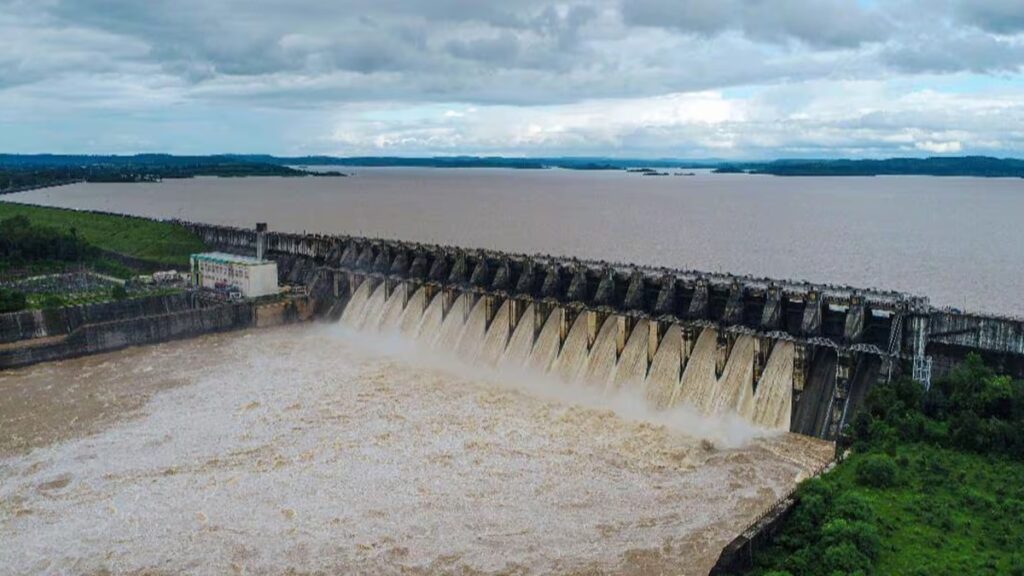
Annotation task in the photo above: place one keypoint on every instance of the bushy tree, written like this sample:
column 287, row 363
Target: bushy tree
column 11, row 301
column 853, row 507
column 118, row 292
column 21, row 241
column 861, row 534
column 844, row 558
column 876, row 471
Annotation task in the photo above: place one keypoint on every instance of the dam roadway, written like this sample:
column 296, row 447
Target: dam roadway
column 843, row 338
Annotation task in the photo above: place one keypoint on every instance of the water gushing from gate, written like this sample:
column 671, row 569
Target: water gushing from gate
column 666, row 364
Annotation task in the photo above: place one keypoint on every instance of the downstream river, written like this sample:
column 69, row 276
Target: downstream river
column 958, row 241
column 303, row 450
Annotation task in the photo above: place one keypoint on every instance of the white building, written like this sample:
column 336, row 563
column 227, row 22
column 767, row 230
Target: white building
column 221, row 271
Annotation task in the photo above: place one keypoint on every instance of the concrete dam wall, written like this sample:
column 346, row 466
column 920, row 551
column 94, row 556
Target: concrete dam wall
column 712, row 341
column 30, row 324
column 82, row 331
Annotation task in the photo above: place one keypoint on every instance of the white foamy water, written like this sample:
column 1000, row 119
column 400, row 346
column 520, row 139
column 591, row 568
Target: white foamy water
column 305, row 449
column 724, row 407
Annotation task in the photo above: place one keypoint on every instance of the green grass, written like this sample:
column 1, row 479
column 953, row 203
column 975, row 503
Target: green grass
column 155, row 241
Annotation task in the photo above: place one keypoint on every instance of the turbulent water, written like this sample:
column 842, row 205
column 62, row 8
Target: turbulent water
column 427, row 432
column 955, row 240
column 306, row 450
column 483, row 332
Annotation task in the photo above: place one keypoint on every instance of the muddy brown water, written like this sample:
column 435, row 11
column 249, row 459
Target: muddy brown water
column 955, row 240
column 305, row 450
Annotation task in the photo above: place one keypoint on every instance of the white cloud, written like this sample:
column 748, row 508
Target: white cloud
column 732, row 77
column 831, row 118
column 939, row 147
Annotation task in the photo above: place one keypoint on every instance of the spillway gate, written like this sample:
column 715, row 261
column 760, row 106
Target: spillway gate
column 843, row 338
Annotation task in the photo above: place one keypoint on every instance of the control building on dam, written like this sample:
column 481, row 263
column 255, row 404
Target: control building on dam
column 790, row 355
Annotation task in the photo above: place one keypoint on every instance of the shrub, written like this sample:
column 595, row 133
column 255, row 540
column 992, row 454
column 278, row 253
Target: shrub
column 862, row 535
column 119, row 292
column 845, row 558
column 853, row 507
column 876, row 471
column 21, row 240
column 11, row 301
column 935, row 404
column 860, row 428
column 51, row 301
column 1017, row 566
column 815, row 499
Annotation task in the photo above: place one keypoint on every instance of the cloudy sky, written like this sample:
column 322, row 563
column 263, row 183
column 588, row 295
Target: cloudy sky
column 672, row 78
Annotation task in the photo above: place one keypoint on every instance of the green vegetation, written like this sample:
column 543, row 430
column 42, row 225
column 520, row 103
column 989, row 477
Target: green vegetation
column 21, row 241
column 46, row 301
column 981, row 166
column 11, row 300
column 24, row 172
column 118, row 292
column 161, row 242
column 52, row 257
column 933, row 486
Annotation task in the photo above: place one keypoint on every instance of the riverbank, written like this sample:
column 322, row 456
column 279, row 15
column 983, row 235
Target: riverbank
column 931, row 485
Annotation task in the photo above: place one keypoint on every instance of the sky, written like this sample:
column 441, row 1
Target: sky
column 732, row 79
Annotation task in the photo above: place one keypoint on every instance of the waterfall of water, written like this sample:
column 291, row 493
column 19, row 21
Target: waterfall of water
column 471, row 338
column 356, row 306
column 393, row 308
column 773, row 401
column 736, row 386
column 631, row 370
column 663, row 381
column 600, row 364
column 697, row 387
column 517, row 353
column 370, row 317
column 496, row 340
column 465, row 332
column 454, row 321
column 413, row 313
column 573, row 357
column 545, row 349
column 429, row 326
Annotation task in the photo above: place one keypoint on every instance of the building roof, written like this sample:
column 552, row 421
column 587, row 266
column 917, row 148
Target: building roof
column 226, row 258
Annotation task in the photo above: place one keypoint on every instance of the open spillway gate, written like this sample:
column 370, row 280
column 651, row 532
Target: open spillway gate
column 695, row 332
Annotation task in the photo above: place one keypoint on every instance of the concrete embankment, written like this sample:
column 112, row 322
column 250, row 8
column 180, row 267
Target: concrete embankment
column 40, row 336
column 32, row 324
column 737, row 557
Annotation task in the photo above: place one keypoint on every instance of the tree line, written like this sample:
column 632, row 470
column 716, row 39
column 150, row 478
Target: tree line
column 943, row 466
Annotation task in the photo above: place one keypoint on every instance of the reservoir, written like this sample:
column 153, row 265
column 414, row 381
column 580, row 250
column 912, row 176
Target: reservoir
column 956, row 240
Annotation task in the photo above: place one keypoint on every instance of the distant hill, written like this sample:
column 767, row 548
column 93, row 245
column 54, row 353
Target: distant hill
column 195, row 162
column 156, row 166
column 531, row 163
column 981, row 166
column 26, row 172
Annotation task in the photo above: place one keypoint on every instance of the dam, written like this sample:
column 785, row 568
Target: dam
column 781, row 354
column 452, row 409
